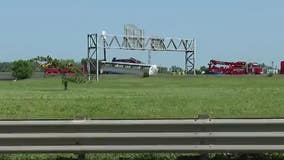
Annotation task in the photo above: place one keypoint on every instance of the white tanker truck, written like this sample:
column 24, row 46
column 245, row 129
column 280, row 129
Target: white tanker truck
column 128, row 66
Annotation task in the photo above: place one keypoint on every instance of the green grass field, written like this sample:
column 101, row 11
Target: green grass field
column 133, row 97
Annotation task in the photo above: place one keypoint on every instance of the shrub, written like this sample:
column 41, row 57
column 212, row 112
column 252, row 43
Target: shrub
column 22, row 69
column 270, row 74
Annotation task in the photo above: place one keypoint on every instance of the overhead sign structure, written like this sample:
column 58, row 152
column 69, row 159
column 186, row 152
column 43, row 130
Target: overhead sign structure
column 135, row 36
column 135, row 40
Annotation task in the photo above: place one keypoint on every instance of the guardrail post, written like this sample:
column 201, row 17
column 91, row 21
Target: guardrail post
column 203, row 116
column 203, row 156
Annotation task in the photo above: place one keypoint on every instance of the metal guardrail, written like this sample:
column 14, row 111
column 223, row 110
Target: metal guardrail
column 8, row 75
column 188, row 135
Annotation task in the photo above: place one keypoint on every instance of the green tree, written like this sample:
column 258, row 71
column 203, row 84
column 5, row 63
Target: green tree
column 5, row 67
column 204, row 69
column 22, row 69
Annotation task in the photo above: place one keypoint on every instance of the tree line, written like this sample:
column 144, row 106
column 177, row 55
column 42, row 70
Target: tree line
column 8, row 66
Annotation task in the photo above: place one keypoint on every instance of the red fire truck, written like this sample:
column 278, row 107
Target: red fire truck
column 50, row 70
column 282, row 67
column 235, row 68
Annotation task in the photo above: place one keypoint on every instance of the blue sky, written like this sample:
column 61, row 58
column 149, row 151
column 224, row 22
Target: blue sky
column 249, row 30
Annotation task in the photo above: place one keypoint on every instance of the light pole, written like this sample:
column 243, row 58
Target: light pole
column 104, row 43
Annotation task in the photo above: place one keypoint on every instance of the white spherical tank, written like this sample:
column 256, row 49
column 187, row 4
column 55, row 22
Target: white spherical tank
column 153, row 70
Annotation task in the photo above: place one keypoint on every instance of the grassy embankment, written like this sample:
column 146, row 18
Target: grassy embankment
column 131, row 97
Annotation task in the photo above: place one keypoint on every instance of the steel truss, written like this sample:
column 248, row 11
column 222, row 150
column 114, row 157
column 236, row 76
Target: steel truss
column 95, row 41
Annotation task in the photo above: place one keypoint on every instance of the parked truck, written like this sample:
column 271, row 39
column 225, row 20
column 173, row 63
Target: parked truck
column 282, row 67
column 235, row 68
